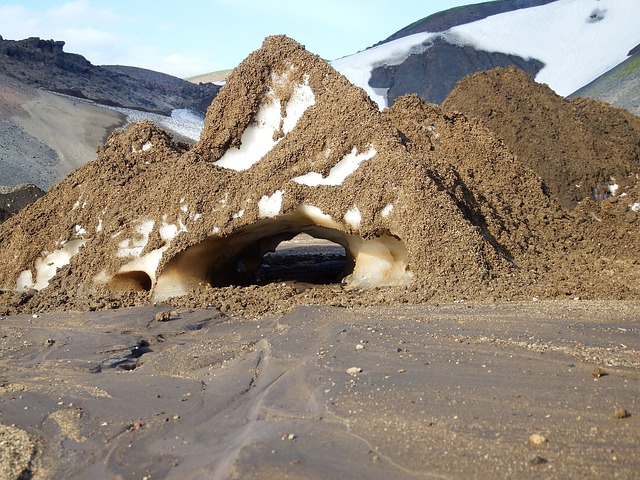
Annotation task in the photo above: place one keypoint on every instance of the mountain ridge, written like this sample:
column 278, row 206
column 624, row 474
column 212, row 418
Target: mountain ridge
column 44, row 64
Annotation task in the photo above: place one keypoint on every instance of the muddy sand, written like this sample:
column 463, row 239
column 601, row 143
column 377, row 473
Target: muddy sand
column 512, row 390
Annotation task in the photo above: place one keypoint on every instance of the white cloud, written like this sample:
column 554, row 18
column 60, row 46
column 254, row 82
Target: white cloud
column 104, row 36
column 82, row 11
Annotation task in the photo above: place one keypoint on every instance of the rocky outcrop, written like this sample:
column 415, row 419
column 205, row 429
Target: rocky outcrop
column 44, row 64
column 14, row 199
column 432, row 73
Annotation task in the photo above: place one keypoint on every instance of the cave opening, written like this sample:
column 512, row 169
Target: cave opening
column 304, row 259
column 131, row 281
column 292, row 247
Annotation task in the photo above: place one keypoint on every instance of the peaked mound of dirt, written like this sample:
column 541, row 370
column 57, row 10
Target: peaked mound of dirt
column 427, row 205
column 580, row 147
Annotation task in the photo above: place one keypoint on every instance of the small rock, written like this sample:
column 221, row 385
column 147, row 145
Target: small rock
column 289, row 436
column 620, row 412
column 359, row 346
column 354, row 371
column 164, row 316
column 137, row 425
column 537, row 460
column 537, row 439
column 598, row 372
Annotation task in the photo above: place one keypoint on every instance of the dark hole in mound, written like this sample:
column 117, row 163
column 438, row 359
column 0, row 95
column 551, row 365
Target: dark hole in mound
column 304, row 259
column 136, row 281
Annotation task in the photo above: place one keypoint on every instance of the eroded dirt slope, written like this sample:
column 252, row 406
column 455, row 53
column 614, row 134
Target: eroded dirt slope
column 580, row 147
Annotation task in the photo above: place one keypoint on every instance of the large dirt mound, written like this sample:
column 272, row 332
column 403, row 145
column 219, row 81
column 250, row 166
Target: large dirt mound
column 580, row 147
column 427, row 205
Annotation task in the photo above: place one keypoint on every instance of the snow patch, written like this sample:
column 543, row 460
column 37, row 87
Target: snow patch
column 353, row 217
column 380, row 261
column 340, row 171
column 635, row 207
column 317, row 216
column 387, row 210
column 133, row 247
column 47, row 266
column 576, row 43
column 357, row 68
column 301, row 99
column 269, row 207
column 258, row 138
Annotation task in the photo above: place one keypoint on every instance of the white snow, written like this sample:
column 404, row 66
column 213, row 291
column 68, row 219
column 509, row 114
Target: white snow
column 574, row 47
column 48, row 265
column 133, row 247
column 635, row 207
column 238, row 214
column 183, row 121
column 357, row 68
column 353, row 217
column 168, row 231
column 317, row 216
column 340, row 171
column 147, row 263
column 269, row 206
column 301, row 99
column 386, row 211
column 258, row 138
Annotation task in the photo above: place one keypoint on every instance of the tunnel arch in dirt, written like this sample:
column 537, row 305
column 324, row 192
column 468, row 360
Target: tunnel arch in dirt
column 235, row 260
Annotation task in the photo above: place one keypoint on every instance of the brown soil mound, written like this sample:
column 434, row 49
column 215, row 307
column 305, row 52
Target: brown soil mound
column 578, row 146
column 427, row 205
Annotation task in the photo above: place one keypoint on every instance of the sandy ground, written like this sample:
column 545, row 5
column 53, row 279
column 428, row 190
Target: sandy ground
column 74, row 129
column 509, row 390
column 43, row 136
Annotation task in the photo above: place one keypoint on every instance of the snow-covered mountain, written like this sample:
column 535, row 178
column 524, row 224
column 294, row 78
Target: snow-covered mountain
column 565, row 44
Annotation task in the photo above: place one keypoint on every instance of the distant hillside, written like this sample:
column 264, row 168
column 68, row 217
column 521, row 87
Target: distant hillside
column 619, row 86
column 566, row 44
column 212, row 77
column 44, row 64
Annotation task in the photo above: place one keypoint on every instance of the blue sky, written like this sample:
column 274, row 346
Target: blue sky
column 185, row 38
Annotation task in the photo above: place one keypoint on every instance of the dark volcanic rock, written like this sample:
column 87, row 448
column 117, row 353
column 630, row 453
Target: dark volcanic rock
column 44, row 64
column 13, row 199
column 433, row 73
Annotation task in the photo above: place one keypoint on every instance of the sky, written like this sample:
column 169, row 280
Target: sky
column 186, row 38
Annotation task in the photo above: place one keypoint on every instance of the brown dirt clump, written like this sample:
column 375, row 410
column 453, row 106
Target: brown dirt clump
column 579, row 147
column 427, row 205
